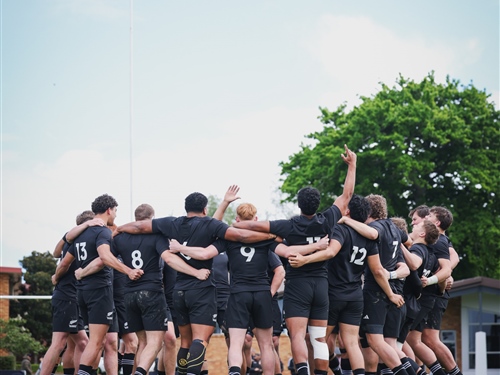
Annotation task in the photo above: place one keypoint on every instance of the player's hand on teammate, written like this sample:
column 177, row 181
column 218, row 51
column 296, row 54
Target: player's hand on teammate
column 96, row 222
column 323, row 243
column 202, row 274
column 297, row 260
column 349, row 157
column 449, row 283
column 175, row 246
column 232, row 194
column 78, row 273
column 135, row 274
column 397, row 299
column 424, row 281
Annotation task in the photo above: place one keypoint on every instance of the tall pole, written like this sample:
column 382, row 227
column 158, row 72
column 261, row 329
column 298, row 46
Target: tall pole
column 131, row 101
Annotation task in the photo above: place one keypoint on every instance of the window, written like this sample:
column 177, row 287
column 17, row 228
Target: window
column 449, row 338
column 490, row 323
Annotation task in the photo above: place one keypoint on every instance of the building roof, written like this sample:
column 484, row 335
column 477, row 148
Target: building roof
column 477, row 284
column 11, row 270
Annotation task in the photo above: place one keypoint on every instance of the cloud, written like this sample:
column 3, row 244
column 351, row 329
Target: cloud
column 41, row 204
column 358, row 53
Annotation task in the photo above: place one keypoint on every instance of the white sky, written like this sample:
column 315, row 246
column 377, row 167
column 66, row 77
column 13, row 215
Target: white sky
column 222, row 92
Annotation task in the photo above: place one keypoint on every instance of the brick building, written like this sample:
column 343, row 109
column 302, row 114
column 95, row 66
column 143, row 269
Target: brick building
column 10, row 279
column 474, row 306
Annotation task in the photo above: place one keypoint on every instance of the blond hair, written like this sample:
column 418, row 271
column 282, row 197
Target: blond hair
column 246, row 211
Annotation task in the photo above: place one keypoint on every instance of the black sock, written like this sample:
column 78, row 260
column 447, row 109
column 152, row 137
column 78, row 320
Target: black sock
column 302, row 368
column 234, row 370
column 160, row 372
column 407, row 366
column 68, row 371
column 455, row 371
column 140, row 371
column 84, row 370
column 359, row 371
column 345, row 364
column 334, row 364
column 196, row 357
column 128, row 363
column 120, row 357
column 382, row 369
column 204, row 372
column 182, row 361
column 399, row 370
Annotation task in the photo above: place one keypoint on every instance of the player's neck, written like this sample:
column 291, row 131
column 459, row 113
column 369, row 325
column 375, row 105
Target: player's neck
column 103, row 216
column 194, row 214
column 419, row 240
column 308, row 216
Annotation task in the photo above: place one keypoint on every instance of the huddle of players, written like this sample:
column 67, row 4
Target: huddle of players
column 322, row 292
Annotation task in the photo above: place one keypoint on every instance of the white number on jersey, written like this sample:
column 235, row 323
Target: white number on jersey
column 81, row 251
column 311, row 240
column 187, row 257
column 247, row 252
column 395, row 244
column 137, row 261
column 358, row 260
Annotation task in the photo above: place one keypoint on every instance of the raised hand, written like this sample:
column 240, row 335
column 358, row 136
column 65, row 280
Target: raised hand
column 350, row 157
column 232, row 193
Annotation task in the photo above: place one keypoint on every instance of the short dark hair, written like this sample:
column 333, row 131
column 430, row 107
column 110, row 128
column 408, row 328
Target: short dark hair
column 422, row 211
column 84, row 216
column 144, row 211
column 308, row 199
column 195, row 202
column 102, row 203
column 359, row 208
column 444, row 216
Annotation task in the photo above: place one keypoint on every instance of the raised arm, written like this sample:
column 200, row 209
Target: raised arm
column 136, row 227
column 350, row 180
column 76, row 231
column 285, row 251
column 180, row 266
column 230, row 196
column 363, row 229
column 199, row 253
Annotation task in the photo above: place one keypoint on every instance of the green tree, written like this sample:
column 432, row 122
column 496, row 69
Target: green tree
column 213, row 203
column 417, row 143
column 36, row 312
column 15, row 338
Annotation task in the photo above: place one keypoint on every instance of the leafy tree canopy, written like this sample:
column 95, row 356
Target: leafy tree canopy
column 15, row 338
column 417, row 143
column 36, row 312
